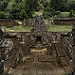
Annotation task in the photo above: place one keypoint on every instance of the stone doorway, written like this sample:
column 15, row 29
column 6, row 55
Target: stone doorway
column 38, row 39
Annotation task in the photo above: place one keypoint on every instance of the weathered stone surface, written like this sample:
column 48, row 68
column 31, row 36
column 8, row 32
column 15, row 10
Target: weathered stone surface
column 24, row 22
column 39, row 33
column 73, row 52
column 42, row 59
column 73, row 60
column 64, row 21
column 1, row 65
column 27, row 22
column 1, row 34
column 8, row 22
column 69, row 46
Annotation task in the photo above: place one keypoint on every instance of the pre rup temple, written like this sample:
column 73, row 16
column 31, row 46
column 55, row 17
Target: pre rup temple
column 38, row 52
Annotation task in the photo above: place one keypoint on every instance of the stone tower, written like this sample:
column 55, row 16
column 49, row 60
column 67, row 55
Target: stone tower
column 39, row 33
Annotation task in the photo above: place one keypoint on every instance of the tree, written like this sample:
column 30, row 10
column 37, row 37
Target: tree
column 2, row 15
column 61, row 5
column 16, row 10
column 30, row 5
column 56, row 4
column 65, row 6
column 23, row 14
column 72, row 5
column 18, row 1
column 39, row 7
column 3, row 4
column 71, row 13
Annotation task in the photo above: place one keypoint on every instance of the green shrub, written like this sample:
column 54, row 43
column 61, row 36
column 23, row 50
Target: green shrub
column 58, row 13
column 72, row 13
column 32, row 30
column 46, row 14
column 2, row 15
column 63, row 15
column 23, row 14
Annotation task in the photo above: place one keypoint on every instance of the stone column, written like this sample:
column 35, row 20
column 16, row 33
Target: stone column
column 5, row 30
column 24, row 22
column 30, row 23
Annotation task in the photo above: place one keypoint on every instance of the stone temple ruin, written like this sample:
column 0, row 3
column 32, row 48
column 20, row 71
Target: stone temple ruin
column 39, row 34
column 69, row 46
column 38, row 52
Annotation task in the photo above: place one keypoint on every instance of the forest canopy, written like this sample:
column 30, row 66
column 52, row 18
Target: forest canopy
column 20, row 9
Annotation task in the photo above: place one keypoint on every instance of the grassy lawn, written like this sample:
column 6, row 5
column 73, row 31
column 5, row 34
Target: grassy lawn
column 65, row 14
column 17, row 29
column 59, row 28
column 48, row 0
column 54, row 28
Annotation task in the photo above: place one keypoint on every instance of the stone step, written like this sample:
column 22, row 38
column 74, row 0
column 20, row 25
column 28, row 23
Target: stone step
column 38, row 58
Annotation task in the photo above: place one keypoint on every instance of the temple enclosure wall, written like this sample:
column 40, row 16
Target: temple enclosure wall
column 8, row 22
column 29, row 22
column 64, row 21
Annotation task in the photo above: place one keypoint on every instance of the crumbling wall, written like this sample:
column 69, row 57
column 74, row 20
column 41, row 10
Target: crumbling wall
column 69, row 46
column 27, row 22
column 73, row 45
column 1, row 34
column 64, row 21
column 8, row 22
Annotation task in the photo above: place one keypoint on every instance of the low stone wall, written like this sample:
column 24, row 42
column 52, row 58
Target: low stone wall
column 64, row 21
column 27, row 22
column 8, row 22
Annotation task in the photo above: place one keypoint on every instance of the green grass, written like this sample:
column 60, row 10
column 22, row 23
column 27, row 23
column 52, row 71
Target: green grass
column 60, row 28
column 54, row 28
column 48, row 0
column 17, row 29
column 65, row 14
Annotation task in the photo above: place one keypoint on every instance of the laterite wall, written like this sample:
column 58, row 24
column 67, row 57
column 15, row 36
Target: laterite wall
column 64, row 21
column 8, row 22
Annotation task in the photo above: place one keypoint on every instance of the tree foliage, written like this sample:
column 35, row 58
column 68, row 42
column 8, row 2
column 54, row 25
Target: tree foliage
column 30, row 5
column 61, row 5
column 72, row 5
column 17, row 9
column 2, row 15
column 20, row 9
column 3, row 4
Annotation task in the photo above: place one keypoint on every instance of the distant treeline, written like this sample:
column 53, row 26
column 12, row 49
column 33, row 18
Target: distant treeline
column 17, row 9
column 20, row 9
column 55, row 7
